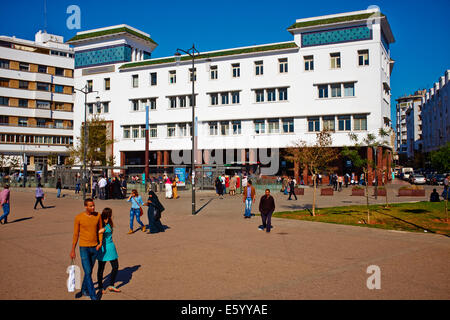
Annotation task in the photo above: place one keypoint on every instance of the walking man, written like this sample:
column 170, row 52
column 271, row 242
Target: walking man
column 86, row 227
column 58, row 187
column 102, row 185
column 266, row 208
column 4, row 201
column 292, row 189
column 249, row 198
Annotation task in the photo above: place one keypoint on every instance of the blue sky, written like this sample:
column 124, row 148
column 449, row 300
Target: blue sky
column 421, row 51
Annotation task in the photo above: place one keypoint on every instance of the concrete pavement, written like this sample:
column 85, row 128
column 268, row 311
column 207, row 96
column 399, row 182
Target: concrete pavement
column 218, row 255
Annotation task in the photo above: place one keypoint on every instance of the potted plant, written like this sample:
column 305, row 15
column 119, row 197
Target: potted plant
column 411, row 191
column 380, row 191
column 326, row 191
column 358, row 191
column 299, row 191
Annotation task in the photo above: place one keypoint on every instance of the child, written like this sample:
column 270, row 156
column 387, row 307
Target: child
column 107, row 252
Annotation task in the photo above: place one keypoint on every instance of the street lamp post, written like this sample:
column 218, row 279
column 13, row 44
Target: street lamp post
column 192, row 52
column 86, row 90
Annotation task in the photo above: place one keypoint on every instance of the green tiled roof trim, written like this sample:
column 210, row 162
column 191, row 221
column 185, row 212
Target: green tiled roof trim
column 332, row 20
column 108, row 32
column 280, row 46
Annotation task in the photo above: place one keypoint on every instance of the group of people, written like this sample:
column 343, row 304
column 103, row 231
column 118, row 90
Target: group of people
column 93, row 233
column 226, row 185
column 109, row 188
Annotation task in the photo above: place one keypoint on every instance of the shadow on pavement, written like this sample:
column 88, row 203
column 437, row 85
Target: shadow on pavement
column 123, row 276
column 19, row 220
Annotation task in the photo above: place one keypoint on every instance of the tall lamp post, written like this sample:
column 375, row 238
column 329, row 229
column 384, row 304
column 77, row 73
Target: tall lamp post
column 86, row 90
column 192, row 52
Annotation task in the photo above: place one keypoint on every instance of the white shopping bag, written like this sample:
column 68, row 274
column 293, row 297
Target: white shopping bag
column 74, row 279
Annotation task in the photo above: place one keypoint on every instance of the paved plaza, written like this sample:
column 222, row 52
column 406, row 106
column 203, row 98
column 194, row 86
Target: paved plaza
column 219, row 255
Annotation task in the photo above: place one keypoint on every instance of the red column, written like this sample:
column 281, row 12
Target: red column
column 166, row 158
column 389, row 168
column 380, row 165
column 305, row 175
column 158, row 158
column 297, row 171
column 369, row 177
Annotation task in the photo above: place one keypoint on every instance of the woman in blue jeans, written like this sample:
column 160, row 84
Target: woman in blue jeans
column 136, row 202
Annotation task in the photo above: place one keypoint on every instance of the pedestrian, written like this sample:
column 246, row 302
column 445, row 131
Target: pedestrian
column 102, row 187
column 227, row 184
column 155, row 208
column 249, row 198
column 266, row 208
column 233, row 185
column 218, row 185
column 135, row 210
column 77, row 184
column 168, row 184
column 4, row 201
column 292, row 189
column 123, row 185
column 174, row 188
column 224, row 188
column 58, row 187
column 434, row 197
column 94, row 188
column 340, row 180
column 39, row 196
column 117, row 191
column 107, row 252
column 86, row 227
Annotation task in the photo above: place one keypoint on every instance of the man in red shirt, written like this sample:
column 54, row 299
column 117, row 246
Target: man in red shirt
column 4, row 201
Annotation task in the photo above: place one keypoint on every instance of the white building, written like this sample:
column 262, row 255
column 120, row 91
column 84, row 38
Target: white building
column 436, row 114
column 36, row 99
column 335, row 74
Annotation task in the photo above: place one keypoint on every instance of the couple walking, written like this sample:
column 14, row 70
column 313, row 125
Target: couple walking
column 154, row 211
column 94, row 233
column 266, row 206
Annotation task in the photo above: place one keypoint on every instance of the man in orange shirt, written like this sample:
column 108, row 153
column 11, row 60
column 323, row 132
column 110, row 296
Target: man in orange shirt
column 86, row 227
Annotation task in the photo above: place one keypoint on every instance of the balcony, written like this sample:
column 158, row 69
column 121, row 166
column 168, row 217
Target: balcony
column 46, row 126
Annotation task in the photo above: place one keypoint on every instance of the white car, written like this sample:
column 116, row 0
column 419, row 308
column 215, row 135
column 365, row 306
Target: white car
column 419, row 179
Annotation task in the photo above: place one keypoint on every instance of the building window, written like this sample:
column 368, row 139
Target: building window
column 313, row 124
column 173, row 102
column 344, row 123
column 172, row 76
column 271, row 96
column 323, row 91
column 213, row 73
column 182, row 130
column 152, row 103
column 43, row 104
column 153, row 79
column 288, row 125
column 236, row 68
column 214, row 99
column 42, row 69
column 213, row 129
column 89, row 85
column 107, row 84
column 235, row 97
column 283, row 65
column 43, row 86
column 335, row 59
column 59, row 88
column 4, row 64
column 309, row 63
column 59, row 72
column 23, row 84
column 282, row 94
column 349, row 89
column 153, row 132
column 23, row 103
column 359, row 122
column 260, row 126
column 274, row 126
column 182, row 101
column 135, row 132
column 259, row 95
column 40, row 123
column 225, row 97
column 336, row 90
column 105, row 107
column 4, row 82
column 363, row 57
column 23, row 122
column 328, row 123
column 192, row 101
column 135, row 105
column 126, row 132
column 192, row 75
column 135, row 81
column 4, row 101
column 259, row 68
column 224, row 128
column 24, row 66
column 236, row 127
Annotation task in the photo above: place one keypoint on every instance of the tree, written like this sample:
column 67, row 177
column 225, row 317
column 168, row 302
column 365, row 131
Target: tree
column 315, row 157
column 354, row 154
column 440, row 159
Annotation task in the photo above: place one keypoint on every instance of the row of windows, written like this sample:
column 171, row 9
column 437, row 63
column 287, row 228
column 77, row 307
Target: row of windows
column 40, row 122
column 33, row 139
column 99, row 108
column 335, row 63
column 40, row 86
column 336, row 90
column 344, row 123
column 24, row 66
column 40, row 104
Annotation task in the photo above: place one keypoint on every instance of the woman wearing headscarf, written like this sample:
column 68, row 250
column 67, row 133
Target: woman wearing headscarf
column 168, row 188
column 154, row 212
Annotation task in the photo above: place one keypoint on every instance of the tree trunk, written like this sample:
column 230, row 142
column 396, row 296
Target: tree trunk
column 314, row 196
column 367, row 196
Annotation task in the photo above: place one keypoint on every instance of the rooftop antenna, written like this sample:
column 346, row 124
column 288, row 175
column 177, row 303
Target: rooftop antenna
column 45, row 16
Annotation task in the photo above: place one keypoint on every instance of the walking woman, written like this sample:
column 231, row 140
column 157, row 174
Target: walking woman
column 39, row 196
column 168, row 188
column 107, row 252
column 174, row 188
column 136, row 202
column 154, row 213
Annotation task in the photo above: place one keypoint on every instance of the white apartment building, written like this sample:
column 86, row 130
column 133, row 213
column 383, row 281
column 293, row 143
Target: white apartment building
column 436, row 114
column 36, row 99
column 334, row 74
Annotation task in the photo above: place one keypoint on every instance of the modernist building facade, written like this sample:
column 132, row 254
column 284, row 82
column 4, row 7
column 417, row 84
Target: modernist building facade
column 334, row 74
column 436, row 115
column 36, row 99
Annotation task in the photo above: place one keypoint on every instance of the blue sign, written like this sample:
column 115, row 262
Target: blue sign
column 181, row 174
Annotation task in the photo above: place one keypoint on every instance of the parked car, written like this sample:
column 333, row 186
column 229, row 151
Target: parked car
column 430, row 178
column 440, row 179
column 406, row 175
column 418, row 179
